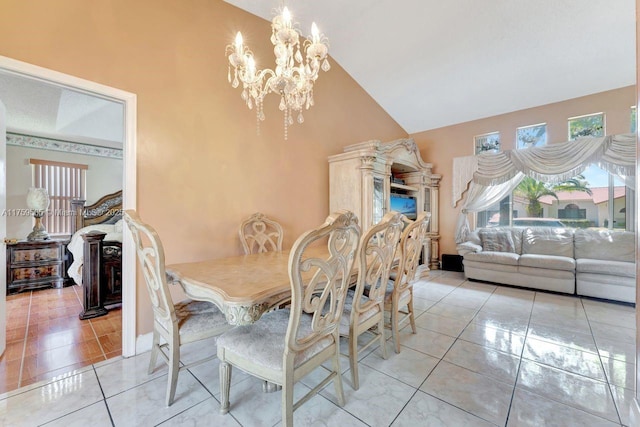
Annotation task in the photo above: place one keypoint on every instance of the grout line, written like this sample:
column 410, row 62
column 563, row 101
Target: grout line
column 524, row 345
column 26, row 336
column 610, row 385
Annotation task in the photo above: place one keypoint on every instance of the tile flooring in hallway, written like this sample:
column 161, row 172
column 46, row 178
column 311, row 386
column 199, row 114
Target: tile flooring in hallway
column 45, row 337
column 484, row 355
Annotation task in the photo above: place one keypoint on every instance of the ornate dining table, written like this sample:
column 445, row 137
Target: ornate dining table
column 242, row 287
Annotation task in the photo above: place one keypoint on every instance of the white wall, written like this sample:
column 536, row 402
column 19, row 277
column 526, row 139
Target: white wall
column 104, row 176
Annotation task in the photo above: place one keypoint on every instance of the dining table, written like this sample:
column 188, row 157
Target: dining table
column 242, row 287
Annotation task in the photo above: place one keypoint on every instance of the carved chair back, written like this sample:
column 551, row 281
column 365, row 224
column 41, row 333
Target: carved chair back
column 151, row 256
column 410, row 247
column 260, row 234
column 319, row 283
column 376, row 255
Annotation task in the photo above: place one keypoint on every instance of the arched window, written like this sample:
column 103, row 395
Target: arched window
column 572, row 211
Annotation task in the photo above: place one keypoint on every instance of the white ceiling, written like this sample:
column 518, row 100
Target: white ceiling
column 41, row 108
column 433, row 63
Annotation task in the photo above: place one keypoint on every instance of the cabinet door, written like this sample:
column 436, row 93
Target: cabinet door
column 379, row 200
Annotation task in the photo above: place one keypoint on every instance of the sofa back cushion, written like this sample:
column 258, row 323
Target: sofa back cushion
column 605, row 245
column 548, row 241
column 501, row 239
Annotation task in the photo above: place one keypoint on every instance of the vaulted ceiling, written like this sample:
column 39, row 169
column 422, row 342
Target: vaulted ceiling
column 433, row 63
column 428, row 63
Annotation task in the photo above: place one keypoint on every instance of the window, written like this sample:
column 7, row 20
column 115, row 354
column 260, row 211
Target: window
column 595, row 199
column 634, row 119
column 487, row 142
column 64, row 182
column 572, row 211
column 531, row 136
column 588, row 125
column 497, row 215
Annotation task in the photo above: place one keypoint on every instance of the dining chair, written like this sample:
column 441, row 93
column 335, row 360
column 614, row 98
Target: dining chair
column 285, row 345
column 399, row 292
column 364, row 313
column 260, row 234
column 173, row 324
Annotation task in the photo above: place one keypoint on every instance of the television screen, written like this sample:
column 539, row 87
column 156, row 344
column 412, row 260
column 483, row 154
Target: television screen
column 406, row 205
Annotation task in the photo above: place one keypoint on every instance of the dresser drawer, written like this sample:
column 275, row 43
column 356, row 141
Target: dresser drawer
column 36, row 272
column 29, row 255
column 35, row 265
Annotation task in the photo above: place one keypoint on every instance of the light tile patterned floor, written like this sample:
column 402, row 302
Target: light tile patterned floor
column 484, row 355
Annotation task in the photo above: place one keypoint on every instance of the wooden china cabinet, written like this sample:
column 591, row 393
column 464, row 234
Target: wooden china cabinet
column 367, row 178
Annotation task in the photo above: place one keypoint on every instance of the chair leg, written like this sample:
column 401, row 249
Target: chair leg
column 412, row 318
column 287, row 397
column 337, row 381
column 174, row 369
column 225, row 383
column 394, row 327
column 353, row 359
column 383, row 342
column 155, row 349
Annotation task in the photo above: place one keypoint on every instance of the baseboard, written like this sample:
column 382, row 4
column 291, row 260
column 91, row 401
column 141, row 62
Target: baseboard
column 143, row 342
column 634, row 413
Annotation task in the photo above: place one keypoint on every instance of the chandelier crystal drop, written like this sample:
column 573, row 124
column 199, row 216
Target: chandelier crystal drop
column 293, row 76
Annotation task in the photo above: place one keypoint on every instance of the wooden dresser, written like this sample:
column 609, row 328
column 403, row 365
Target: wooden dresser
column 37, row 264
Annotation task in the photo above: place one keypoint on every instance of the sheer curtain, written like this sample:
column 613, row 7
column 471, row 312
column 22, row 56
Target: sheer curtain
column 498, row 174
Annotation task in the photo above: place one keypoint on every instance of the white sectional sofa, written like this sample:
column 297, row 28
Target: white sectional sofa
column 595, row 263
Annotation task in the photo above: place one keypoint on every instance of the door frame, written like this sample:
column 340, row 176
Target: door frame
column 129, row 100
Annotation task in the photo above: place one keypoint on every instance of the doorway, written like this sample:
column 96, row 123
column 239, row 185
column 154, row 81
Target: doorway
column 128, row 101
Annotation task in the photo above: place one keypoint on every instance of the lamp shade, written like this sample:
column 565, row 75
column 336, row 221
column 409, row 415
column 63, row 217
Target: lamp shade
column 37, row 199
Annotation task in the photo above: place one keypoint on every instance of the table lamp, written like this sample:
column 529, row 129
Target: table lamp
column 38, row 202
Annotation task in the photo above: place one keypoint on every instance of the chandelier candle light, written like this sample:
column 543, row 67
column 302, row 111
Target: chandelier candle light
column 293, row 77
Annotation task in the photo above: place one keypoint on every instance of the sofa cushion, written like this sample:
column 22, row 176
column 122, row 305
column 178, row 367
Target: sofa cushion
column 497, row 241
column 489, row 266
column 466, row 247
column 504, row 258
column 605, row 267
column 548, row 241
column 549, row 262
column 605, row 244
column 516, row 236
column 534, row 275
column 474, row 237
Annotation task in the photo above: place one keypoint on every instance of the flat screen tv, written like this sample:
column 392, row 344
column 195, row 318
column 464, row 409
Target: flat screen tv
column 404, row 204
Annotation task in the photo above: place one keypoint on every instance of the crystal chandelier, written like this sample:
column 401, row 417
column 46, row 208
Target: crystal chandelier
column 293, row 76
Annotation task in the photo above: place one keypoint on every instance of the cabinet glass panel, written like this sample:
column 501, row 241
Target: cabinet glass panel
column 427, row 202
column 378, row 200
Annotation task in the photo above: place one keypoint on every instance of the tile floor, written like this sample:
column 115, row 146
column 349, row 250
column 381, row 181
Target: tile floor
column 45, row 337
column 484, row 355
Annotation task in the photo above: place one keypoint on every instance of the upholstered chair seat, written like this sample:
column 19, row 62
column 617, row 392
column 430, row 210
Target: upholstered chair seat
column 263, row 343
column 195, row 317
column 364, row 316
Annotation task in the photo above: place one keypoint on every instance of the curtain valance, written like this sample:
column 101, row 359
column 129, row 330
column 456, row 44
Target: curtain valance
column 555, row 163
column 551, row 163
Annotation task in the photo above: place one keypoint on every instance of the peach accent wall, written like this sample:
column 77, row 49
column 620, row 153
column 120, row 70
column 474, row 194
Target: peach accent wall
column 440, row 146
column 201, row 167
